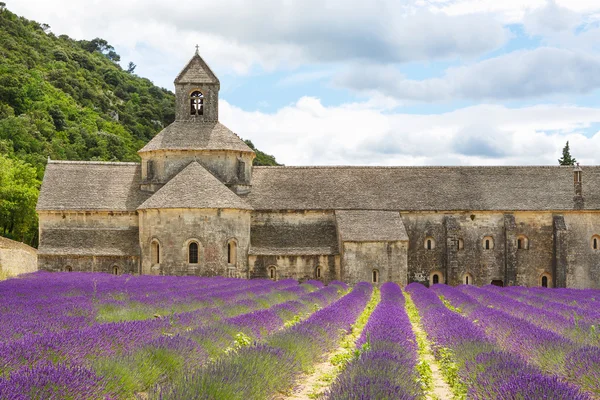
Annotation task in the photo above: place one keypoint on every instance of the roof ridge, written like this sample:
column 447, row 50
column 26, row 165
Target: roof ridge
column 182, row 194
column 420, row 166
column 118, row 163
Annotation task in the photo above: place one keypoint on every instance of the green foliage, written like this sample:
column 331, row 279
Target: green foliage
column 19, row 189
column 261, row 158
column 68, row 100
column 566, row 158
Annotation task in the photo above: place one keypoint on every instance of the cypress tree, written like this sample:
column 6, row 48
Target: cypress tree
column 566, row 158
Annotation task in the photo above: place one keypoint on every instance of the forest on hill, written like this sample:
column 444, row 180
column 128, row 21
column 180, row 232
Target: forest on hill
column 68, row 100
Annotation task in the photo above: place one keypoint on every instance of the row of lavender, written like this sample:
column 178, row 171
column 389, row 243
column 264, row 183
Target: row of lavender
column 475, row 359
column 272, row 365
column 386, row 366
column 92, row 360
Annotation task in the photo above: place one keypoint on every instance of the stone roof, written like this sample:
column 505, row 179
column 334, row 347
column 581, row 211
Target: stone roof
column 194, row 187
column 6, row 243
column 196, row 135
column 96, row 241
column 314, row 238
column 196, row 71
column 94, row 186
column 370, row 226
column 421, row 188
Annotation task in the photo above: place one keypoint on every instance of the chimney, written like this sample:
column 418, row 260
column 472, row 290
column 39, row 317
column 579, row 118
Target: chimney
column 577, row 183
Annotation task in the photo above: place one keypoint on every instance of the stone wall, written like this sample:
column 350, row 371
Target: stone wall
column 504, row 261
column 211, row 101
column 225, row 165
column 583, row 261
column 212, row 229
column 16, row 258
column 72, row 263
column 89, row 241
column 388, row 259
column 300, row 267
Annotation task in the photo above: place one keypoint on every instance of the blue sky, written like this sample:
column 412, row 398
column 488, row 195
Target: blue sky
column 386, row 82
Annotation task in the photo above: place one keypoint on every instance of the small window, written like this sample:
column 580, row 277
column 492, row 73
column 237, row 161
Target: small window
column 232, row 251
column 436, row 277
column 488, row 243
column 68, row 268
column 429, row 243
column 116, row 270
column 197, row 103
column 468, row 279
column 497, row 282
column 577, row 176
column 522, row 243
column 546, row 280
column 318, row 272
column 149, row 169
column 193, row 253
column 273, row 273
column 595, row 242
column 461, row 244
column 155, row 252
column 375, row 276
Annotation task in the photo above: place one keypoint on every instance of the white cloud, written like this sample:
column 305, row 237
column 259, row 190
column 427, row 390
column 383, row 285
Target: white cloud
column 308, row 133
column 235, row 35
column 520, row 74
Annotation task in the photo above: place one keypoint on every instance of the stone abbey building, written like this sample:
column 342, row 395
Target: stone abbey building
column 195, row 205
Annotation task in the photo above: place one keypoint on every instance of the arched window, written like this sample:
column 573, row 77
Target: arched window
column 375, row 276
column 318, row 272
column 436, row 277
column 68, row 268
column 193, row 253
column 155, row 248
column 196, row 103
column 546, row 280
column 116, row 270
column 595, row 242
column 429, row 243
column 461, row 244
column 497, row 282
column 273, row 273
column 488, row 243
column 522, row 242
column 468, row 279
column 232, row 251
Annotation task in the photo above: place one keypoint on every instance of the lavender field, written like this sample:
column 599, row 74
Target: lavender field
column 99, row 336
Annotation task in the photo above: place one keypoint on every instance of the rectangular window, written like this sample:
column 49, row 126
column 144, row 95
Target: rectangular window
column 149, row 169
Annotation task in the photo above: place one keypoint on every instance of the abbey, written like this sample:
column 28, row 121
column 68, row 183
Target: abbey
column 195, row 205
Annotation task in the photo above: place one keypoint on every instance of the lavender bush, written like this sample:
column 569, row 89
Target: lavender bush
column 385, row 368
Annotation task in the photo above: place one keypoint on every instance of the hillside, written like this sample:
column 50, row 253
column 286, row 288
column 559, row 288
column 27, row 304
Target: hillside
column 68, row 100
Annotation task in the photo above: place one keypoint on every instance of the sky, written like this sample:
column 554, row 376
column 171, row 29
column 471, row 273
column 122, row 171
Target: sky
column 379, row 82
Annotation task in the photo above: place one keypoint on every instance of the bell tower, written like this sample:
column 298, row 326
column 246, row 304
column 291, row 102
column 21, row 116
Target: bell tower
column 197, row 92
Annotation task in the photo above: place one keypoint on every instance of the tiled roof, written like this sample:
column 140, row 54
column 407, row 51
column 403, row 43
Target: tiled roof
column 196, row 71
column 196, row 135
column 84, row 185
column 370, row 226
column 308, row 238
column 93, row 241
column 194, row 187
column 421, row 188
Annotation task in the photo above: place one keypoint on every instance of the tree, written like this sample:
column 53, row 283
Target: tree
column 131, row 67
column 566, row 158
column 2, row 6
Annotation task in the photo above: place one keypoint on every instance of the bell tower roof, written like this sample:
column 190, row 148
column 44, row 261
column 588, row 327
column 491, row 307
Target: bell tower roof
column 197, row 72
